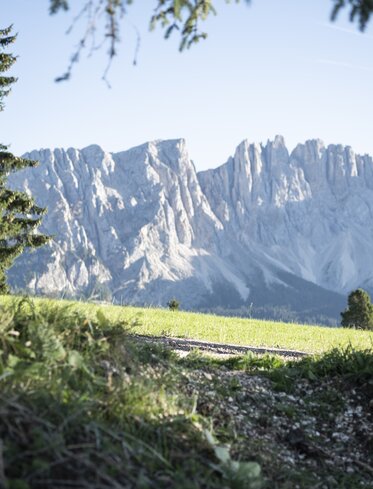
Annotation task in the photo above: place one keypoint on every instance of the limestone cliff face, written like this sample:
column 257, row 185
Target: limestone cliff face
column 132, row 224
column 310, row 211
column 142, row 226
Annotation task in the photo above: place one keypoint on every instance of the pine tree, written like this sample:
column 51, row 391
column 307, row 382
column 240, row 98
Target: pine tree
column 19, row 215
column 359, row 313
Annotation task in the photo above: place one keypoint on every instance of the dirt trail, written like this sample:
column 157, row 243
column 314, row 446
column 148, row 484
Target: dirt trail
column 183, row 346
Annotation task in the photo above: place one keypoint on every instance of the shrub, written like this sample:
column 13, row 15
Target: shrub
column 173, row 305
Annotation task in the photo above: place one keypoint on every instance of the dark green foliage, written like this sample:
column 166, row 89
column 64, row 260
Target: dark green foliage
column 173, row 305
column 250, row 362
column 174, row 16
column 6, row 62
column 359, row 313
column 182, row 16
column 19, row 215
column 82, row 404
column 359, row 9
column 353, row 367
column 56, row 5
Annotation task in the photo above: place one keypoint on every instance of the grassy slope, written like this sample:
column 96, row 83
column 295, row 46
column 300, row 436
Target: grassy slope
column 83, row 404
column 254, row 332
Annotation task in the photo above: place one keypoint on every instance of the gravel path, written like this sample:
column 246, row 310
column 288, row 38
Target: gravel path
column 182, row 346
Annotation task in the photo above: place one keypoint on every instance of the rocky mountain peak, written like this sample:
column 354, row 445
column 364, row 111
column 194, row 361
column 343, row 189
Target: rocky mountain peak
column 141, row 226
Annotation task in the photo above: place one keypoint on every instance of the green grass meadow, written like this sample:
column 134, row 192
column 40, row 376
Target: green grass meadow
column 253, row 332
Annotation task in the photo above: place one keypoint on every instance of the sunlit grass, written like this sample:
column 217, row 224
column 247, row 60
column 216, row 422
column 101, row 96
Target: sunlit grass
column 254, row 332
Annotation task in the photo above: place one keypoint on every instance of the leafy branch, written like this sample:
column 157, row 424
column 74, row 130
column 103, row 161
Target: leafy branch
column 181, row 16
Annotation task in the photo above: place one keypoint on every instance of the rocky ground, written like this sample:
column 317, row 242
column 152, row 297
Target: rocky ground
column 183, row 346
column 308, row 430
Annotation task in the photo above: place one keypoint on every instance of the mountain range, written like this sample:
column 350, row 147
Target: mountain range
column 269, row 233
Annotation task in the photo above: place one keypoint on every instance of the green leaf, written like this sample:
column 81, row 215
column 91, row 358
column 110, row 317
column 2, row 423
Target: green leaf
column 210, row 438
column 311, row 375
column 222, row 453
column 177, row 9
column 5, row 375
column 249, row 470
column 75, row 359
column 13, row 360
column 102, row 319
column 34, row 369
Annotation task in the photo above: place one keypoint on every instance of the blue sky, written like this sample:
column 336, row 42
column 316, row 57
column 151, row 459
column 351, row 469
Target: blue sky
column 275, row 67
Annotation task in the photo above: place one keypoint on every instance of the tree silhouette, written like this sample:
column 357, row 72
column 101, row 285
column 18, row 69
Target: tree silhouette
column 359, row 313
column 19, row 215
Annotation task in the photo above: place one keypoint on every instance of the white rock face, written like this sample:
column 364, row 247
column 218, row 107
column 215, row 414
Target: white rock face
column 141, row 226
column 310, row 212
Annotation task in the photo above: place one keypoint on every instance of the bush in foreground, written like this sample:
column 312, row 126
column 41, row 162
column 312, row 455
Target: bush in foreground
column 84, row 404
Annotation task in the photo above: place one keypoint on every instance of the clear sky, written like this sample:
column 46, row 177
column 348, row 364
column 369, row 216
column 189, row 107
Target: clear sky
column 275, row 67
